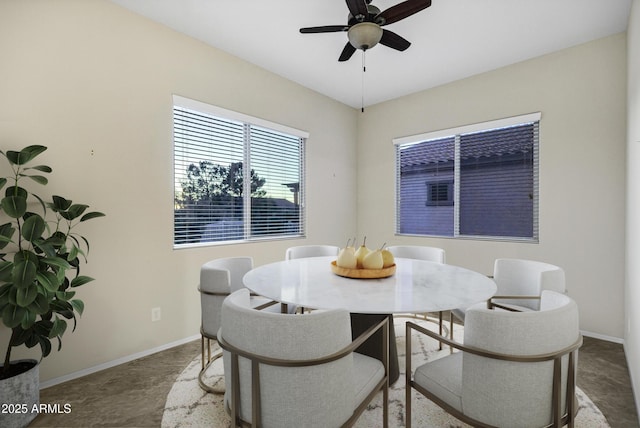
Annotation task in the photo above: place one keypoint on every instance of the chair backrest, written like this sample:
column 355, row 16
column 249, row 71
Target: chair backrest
column 303, row 251
column 431, row 254
column 218, row 279
column 528, row 278
column 497, row 391
column 313, row 396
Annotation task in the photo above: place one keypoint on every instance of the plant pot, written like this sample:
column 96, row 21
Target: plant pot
column 20, row 397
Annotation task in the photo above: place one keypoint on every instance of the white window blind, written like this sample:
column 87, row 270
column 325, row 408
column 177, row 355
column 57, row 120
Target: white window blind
column 216, row 200
column 482, row 183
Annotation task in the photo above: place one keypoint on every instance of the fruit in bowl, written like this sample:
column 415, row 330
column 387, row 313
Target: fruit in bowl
column 363, row 262
column 347, row 258
column 387, row 258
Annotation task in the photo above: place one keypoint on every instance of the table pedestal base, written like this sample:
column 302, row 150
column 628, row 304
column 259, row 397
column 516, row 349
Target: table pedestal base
column 373, row 346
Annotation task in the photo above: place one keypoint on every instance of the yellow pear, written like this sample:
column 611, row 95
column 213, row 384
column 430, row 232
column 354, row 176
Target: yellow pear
column 387, row 258
column 347, row 258
column 361, row 252
column 373, row 260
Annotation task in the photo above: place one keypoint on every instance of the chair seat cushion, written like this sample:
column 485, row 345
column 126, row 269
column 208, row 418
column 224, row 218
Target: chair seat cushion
column 367, row 373
column 443, row 378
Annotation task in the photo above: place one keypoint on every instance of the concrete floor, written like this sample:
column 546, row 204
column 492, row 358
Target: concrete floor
column 134, row 394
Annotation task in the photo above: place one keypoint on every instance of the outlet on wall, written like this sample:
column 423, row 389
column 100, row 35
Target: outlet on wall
column 155, row 314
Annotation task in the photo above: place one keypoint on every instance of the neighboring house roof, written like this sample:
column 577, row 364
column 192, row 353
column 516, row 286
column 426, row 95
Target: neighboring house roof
column 487, row 144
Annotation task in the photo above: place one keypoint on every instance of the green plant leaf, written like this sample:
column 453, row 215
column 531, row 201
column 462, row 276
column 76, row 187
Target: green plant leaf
column 28, row 320
column 33, row 228
column 42, row 168
column 48, row 280
column 24, row 155
column 24, row 273
column 60, row 203
column 65, row 295
column 45, row 346
column 63, row 308
column 45, row 246
column 80, row 280
column 39, row 179
column 93, row 214
column 26, row 295
column 57, row 262
column 3, row 181
column 21, row 337
column 73, row 254
column 74, row 211
column 16, row 191
column 40, row 305
column 53, row 243
column 78, row 305
column 58, row 329
column 11, row 295
column 44, row 206
column 6, row 234
column 5, row 270
column 12, row 315
column 14, row 206
column 4, row 294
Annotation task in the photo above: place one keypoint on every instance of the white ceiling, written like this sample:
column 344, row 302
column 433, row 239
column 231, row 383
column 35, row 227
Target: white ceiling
column 451, row 40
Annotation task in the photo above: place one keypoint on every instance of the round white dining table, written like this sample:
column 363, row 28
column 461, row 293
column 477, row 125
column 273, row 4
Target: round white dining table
column 417, row 286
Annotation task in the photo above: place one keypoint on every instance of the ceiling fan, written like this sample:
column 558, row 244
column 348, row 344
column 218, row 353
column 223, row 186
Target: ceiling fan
column 365, row 22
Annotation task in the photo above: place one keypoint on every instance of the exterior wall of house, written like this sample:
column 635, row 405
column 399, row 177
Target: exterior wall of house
column 581, row 94
column 632, row 288
column 94, row 82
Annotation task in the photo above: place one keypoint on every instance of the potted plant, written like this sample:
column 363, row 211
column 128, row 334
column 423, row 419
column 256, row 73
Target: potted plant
column 40, row 256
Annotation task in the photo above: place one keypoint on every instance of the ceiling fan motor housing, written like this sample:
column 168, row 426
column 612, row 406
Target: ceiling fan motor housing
column 364, row 35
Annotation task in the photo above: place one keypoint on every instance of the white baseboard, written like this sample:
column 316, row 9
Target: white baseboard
column 117, row 362
column 603, row 337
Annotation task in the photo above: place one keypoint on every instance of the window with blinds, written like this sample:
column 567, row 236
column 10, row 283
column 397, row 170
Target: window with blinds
column 478, row 181
column 214, row 202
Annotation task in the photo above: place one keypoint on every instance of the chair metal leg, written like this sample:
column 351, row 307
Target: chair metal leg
column 206, row 363
column 440, row 329
column 451, row 330
column 407, row 385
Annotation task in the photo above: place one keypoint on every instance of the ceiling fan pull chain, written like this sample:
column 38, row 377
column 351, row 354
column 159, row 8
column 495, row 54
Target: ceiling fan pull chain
column 364, row 69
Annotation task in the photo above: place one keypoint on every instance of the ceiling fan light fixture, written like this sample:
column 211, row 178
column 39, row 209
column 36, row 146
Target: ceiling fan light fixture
column 364, row 35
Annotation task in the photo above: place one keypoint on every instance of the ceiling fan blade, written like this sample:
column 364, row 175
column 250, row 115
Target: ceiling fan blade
column 401, row 11
column 347, row 52
column 324, row 29
column 392, row 40
column 358, row 8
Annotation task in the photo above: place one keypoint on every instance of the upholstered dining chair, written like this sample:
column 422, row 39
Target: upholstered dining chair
column 218, row 279
column 515, row 369
column 420, row 252
column 302, row 251
column 283, row 370
column 520, row 283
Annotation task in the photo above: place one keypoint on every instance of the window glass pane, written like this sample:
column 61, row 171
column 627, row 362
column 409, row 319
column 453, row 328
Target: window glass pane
column 496, row 182
column 482, row 183
column 424, row 168
column 275, row 207
column 213, row 201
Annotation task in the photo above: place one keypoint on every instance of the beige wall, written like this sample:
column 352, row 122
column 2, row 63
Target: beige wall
column 581, row 94
column 632, row 289
column 94, row 83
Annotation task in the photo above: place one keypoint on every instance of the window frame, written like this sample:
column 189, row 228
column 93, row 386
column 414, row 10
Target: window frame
column 247, row 121
column 531, row 118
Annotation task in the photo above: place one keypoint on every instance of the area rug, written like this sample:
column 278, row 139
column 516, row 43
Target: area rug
column 189, row 406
